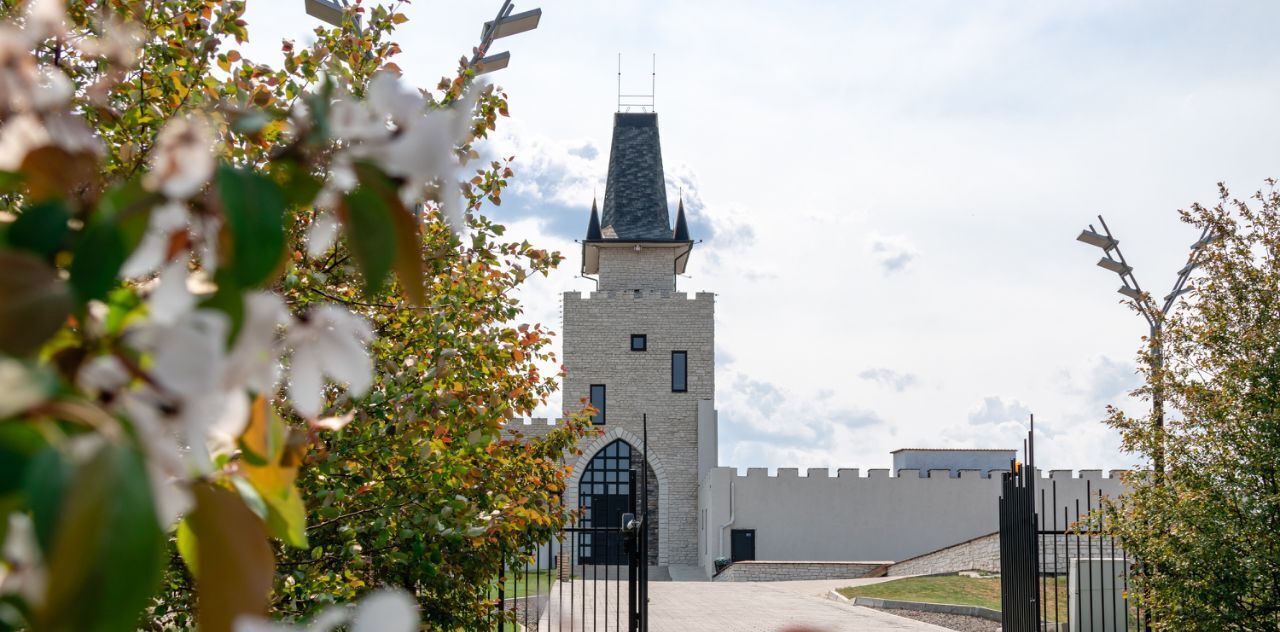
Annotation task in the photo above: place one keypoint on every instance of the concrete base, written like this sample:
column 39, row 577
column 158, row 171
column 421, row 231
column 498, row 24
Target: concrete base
column 684, row 573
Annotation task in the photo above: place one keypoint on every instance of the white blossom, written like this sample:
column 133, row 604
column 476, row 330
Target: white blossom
column 20, row 388
column 102, row 375
column 182, row 160
column 389, row 98
column 46, row 18
column 22, row 572
column 329, row 341
column 255, row 356
column 384, row 610
column 354, row 121
column 153, row 250
column 170, row 297
column 119, row 44
column 324, row 229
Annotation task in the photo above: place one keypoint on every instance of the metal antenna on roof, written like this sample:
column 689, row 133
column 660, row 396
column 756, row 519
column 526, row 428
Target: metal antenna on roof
column 653, row 83
column 645, row 102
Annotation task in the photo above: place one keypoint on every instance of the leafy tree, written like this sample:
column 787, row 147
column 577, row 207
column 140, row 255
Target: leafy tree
column 176, row 320
column 1208, row 531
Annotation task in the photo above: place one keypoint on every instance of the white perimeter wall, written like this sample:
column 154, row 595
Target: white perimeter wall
column 848, row 517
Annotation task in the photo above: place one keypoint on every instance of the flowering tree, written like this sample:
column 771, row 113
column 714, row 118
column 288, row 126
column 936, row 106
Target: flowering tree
column 1207, row 530
column 183, row 337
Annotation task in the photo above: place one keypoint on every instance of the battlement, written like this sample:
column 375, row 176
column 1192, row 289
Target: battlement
column 784, row 473
column 632, row 295
column 532, row 426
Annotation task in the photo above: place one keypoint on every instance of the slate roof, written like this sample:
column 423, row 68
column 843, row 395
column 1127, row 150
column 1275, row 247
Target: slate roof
column 635, row 194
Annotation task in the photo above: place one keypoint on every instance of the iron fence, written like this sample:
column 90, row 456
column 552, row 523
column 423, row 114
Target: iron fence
column 1060, row 571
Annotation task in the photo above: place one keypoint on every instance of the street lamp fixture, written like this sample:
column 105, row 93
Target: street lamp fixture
column 1105, row 242
column 328, row 11
column 512, row 24
column 1113, row 260
column 503, row 25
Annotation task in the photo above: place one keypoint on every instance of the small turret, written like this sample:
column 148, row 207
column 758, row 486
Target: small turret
column 593, row 226
column 682, row 227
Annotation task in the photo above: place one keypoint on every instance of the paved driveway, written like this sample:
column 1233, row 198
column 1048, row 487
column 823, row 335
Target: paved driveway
column 766, row 607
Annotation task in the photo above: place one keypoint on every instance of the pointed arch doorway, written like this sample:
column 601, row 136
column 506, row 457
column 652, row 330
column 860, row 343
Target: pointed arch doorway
column 605, row 492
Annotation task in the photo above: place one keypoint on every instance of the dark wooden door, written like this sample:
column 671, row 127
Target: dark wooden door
column 606, row 513
column 742, row 546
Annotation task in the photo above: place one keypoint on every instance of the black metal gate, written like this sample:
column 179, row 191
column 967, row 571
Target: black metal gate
column 593, row 577
column 1059, row 571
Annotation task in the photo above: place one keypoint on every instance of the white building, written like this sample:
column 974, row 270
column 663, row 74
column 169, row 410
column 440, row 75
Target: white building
column 638, row 349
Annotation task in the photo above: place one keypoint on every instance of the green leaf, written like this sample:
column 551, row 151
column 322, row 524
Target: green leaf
column 187, row 547
column 34, row 303
column 108, row 553
column 408, row 235
column 371, row 235
column 300, row 187
column 44, row 483
column 98, row 258
column 254, row 206
column 287, row 516
column 19, row 443
column 40, row 228
column 11, row 181
column 235, row 560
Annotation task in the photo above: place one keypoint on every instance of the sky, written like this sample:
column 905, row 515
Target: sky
column 887, row 194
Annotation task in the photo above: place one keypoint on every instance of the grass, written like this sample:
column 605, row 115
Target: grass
column 966, row 591
column 949, row 589
column 538, row 584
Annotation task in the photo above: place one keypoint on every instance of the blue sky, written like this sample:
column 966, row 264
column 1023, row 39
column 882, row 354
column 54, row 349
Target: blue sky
column 889, row 193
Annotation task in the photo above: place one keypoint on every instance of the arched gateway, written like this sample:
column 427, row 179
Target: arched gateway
column 604, row 495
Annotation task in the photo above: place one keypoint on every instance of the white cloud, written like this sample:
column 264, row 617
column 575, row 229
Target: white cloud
column 898, row 381
column 892, row 253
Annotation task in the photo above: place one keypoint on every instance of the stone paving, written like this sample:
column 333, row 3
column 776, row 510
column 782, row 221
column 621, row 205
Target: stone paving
column 677, row 606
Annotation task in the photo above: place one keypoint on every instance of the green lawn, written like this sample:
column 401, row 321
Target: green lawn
column 951, row 589
column 963, row 591
column 517, row 586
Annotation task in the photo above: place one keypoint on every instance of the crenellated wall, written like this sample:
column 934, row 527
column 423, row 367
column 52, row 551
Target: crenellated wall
column 854, row 517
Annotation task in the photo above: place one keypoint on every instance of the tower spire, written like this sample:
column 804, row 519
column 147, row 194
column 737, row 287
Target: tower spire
column 593, row 226
column 681, row 232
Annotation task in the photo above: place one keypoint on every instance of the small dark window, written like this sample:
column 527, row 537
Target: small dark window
column 597, row 402
column 679, row 371
column 639, row 342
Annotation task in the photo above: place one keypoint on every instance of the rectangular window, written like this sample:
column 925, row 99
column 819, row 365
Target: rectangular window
column 597, row 402
column 679, row 371
column 639, row 342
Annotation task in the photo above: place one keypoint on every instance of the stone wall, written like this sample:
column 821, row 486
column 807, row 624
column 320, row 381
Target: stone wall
column 651, row 268
column 597, row 350
column 979, row 554
column 794, row 571
column 875, row 517
column 983, row 554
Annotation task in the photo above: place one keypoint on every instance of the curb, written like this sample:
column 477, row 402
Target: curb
column 943, row 608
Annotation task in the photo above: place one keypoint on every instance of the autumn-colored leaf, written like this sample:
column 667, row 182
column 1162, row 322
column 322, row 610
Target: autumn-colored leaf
column 235, row 560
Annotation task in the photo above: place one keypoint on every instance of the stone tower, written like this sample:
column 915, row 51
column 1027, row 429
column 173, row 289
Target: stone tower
column 636, row 347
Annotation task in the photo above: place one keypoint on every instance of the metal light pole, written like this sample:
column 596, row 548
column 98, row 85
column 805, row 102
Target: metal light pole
column 1153, row 314
column 505, row 24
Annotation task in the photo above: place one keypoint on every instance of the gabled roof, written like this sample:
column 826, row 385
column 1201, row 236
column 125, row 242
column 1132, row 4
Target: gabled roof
column 635, row 194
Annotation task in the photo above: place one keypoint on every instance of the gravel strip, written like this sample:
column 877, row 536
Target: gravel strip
column 948, row 621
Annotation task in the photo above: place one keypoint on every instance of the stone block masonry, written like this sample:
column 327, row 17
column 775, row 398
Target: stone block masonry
column 796, row 571
column 597, row 350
